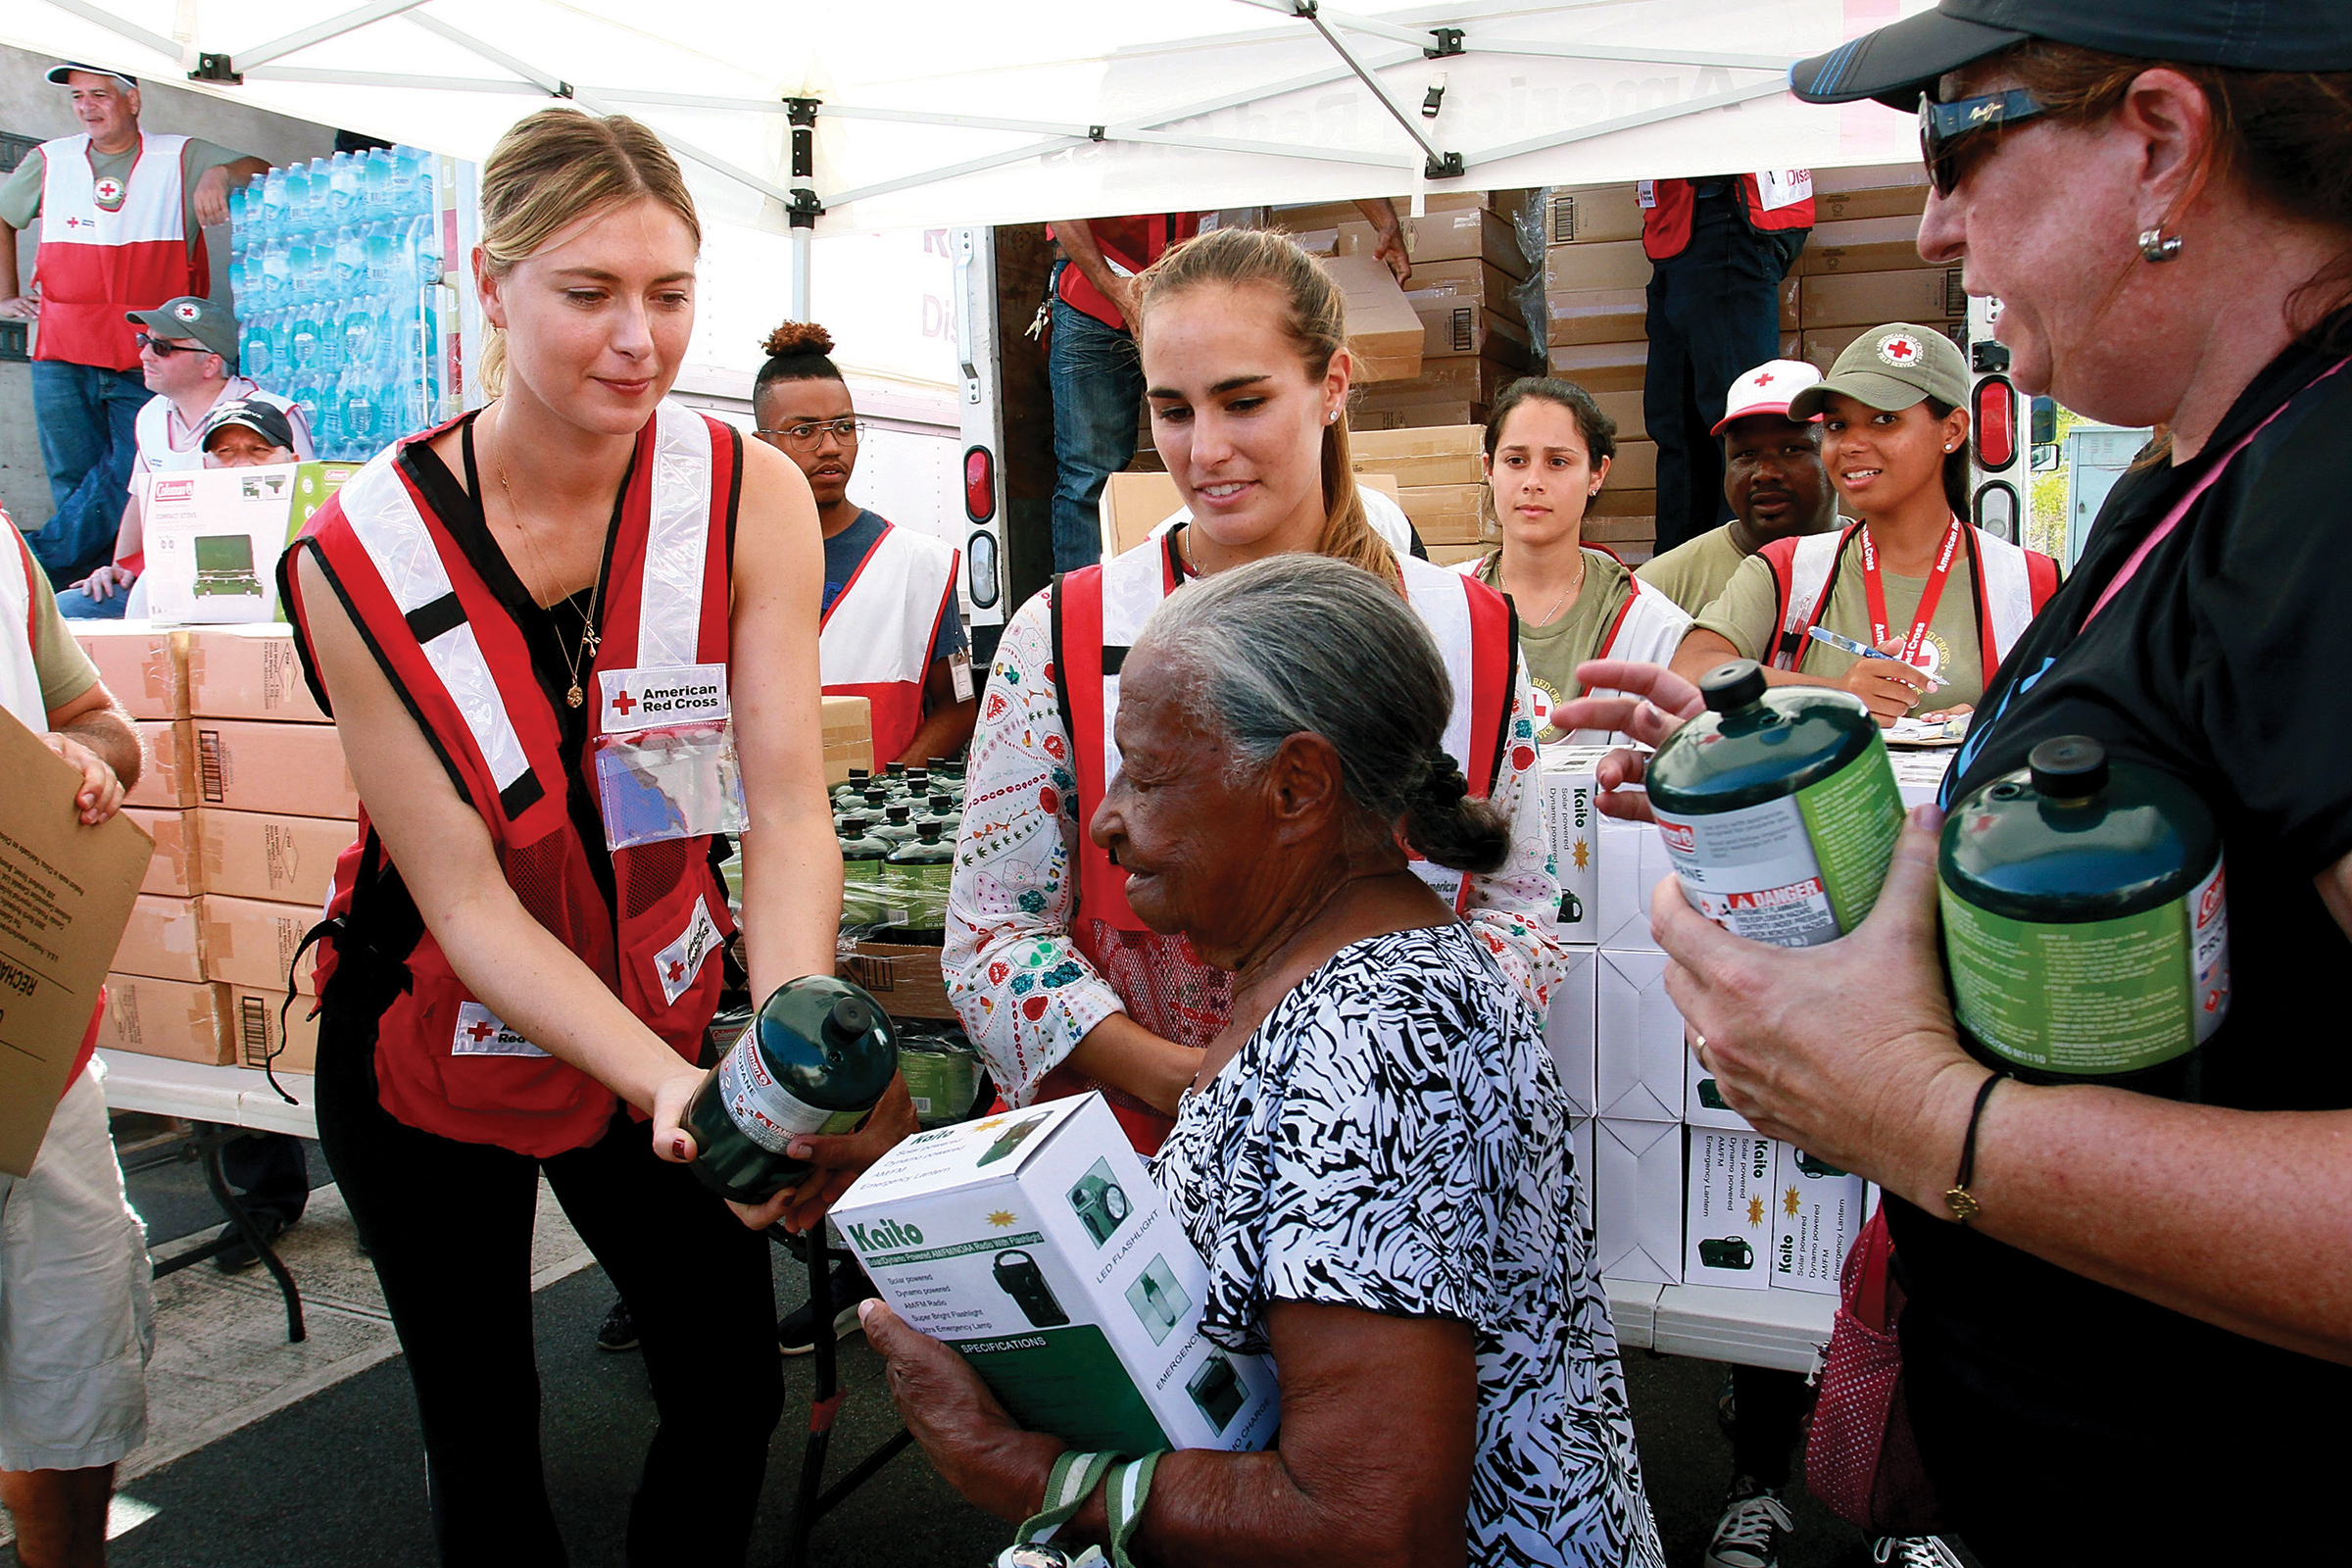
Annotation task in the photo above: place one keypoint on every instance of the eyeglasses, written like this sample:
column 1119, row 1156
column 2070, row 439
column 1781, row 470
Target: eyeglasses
column 1945, row 129
column 164, row 350
column 806, row 437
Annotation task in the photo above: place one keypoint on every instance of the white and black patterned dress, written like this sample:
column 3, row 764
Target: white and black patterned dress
column 1392, row 1138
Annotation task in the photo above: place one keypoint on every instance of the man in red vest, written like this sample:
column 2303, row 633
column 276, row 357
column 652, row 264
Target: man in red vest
column 122, row 217
column 1719, row 249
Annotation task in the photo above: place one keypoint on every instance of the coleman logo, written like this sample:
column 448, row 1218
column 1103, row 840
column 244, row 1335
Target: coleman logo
column 884, row 1234
column 110, row 193
column 674, row 694
column 1679, row 836
column 677, row 964
column 480, row 1034
column 161, row 490
column 2211, row 903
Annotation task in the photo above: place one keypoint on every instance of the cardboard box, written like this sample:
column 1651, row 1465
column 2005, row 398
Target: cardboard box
column 162, row 939
column 1611, row 265
column 1572, row 829
column 1505, row 203
column 168, row 780
column 1037, row 1245
column 259, row 1038
column 1861, row 245
column 252, row 941
column 214, row 536
column 1415, row 417
column 71, row 890
column 1592, row 213
column 143, row 666
column 251, row 765
column 1472, row 281
column 1613, row 532
column 1624, row 408
column 1383, row 329
column 1449, row 380
column 1636, row 1177
column 186, row 1020
column 1876, row 201
column 1792, row 289
column 1727, row 1226
column 248, row 672
column 1871, row 299
column 1452, row 327
column 1570, row 1024
column 1817, row 1212
column 1632, row 861
column 1622, row 501
column 315, row 483
column 1603, row 366
column 906, row 980
column 1439, row 236
column 1637, row 1059
column 1442, row 455
column 176, row 870
column 847, row 723
column 1702, row 1102
column 272, row 856
column 1870, row 177
column 1596, row 315
column 1634, row 466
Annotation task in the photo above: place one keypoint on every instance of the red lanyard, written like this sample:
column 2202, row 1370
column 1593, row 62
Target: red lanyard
column 1929, row 596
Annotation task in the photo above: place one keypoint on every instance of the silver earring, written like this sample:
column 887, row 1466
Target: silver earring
column 1333, row 418
column 2155, row 247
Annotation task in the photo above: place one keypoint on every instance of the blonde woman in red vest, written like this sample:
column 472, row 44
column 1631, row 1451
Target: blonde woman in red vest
column 518, row 619
column 1246, row 370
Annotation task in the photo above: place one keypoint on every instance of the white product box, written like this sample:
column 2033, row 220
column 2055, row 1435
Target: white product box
column 1036, row 1243
column 1633, row 862
column 1729, row 1224
column 1817, row 1212
column 1638, row 1201
column 1637, row 1049
column 1702, row 1105
column 214, row 536
column 1571, row 824
column 1919, row 774
column 1568, row 1028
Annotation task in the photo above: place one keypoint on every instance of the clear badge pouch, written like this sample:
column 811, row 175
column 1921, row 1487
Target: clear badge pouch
column 676, row 781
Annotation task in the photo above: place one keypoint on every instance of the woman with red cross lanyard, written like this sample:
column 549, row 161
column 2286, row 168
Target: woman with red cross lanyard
column 1909, row 579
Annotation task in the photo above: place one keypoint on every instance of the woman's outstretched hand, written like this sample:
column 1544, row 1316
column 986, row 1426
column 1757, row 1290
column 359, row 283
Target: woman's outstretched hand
column 1647, row 704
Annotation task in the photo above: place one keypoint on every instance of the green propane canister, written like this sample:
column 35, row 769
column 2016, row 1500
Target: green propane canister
column 897, row 824
column 864, row 880
column 917, row 874
column 1779, row 808
column 816, row 1060
column 853, row 791
column 2085, row 922
column 943, row 1075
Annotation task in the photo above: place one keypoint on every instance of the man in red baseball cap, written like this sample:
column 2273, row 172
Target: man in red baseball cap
column 1772, row 479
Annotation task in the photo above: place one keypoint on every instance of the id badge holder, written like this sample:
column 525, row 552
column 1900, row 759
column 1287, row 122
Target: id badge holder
column 665, row 765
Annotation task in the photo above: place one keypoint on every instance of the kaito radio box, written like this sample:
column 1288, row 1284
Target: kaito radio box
column 1036, row 1243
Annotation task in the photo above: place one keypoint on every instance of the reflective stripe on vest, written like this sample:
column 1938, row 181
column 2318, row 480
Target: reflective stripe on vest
column 110, row 246
column 880, row 647
column 2012, row 585
column 1099, row 612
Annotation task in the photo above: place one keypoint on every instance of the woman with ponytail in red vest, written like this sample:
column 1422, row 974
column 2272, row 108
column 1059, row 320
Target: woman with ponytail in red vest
column 1057, row 982
column 541, row 627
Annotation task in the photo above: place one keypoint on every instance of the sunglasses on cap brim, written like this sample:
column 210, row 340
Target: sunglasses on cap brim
column 1945, row 129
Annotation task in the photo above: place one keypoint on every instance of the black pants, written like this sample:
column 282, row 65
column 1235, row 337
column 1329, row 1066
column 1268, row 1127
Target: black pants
column 448, row 1225
column 269, row 1173
column 1768, row 1410
column 1714, row 313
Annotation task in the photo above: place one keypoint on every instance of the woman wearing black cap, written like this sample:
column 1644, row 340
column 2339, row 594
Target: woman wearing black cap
column 2134, row 1344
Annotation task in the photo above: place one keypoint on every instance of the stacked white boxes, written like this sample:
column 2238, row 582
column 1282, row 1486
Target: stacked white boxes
column 1683, row 1192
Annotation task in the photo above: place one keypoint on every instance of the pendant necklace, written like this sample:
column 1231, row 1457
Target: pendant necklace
column 589, row 636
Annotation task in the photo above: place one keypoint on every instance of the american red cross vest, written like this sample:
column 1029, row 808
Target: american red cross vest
column 1666, row 222
column 110, row 246
column 2013, row 583
column 876, row 638
column 444, row 1062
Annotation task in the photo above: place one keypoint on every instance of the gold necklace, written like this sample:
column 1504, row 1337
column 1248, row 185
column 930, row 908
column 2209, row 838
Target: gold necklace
column 1574, row 583
column 590, row 637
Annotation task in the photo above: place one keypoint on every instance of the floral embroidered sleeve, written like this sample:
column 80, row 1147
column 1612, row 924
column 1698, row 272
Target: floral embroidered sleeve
column 1512, row 910
column 1024, row 994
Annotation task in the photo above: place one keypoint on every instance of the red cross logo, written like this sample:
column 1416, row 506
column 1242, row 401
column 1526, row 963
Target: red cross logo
column 1900, row 349
column 677, row 968
column 478, row 1032
column 1764, row 378
column 623, row 702
column 76, row 223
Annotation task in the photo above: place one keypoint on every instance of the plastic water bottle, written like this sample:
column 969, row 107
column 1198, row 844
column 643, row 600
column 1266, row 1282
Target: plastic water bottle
column 375, row 183
column 423, row 192
column 357, row 413
column 258, row 352
column 304, row 395
column 322, row 194
column 240, row 224
column 275, row 283
column 342, row 188
column 302, row 348
column 359, row 333
column 301, row 272
column 291, row 217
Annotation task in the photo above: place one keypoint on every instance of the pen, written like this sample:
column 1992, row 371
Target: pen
column 1821, row 634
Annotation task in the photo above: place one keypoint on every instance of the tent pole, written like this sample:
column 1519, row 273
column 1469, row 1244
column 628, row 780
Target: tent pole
column 1440, row 165
column 138, row 34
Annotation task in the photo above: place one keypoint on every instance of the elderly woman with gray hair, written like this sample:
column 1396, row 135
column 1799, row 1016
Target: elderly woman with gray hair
column 1374, row 1160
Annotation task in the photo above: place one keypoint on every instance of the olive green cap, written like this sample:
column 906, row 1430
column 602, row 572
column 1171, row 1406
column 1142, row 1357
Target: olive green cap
column 1890, row 368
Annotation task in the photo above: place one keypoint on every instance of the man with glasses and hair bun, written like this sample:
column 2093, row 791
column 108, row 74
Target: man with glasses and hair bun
column 187, row 358
column 891, row 632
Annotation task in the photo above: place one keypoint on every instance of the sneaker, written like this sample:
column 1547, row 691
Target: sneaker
column 237, row 1256
column 1913, row 1551
column 796, row 1333
column 619, row 1331
column 1748, row 1535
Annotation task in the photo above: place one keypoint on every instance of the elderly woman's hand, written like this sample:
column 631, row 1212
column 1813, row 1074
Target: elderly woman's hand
column 973, row 1445
column 1648, row 703
column 1846, row 1049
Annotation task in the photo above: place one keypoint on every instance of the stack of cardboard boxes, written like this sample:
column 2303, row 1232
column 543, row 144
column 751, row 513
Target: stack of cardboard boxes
column 1683, row 1192
column 249, row 802
column 1861, row 269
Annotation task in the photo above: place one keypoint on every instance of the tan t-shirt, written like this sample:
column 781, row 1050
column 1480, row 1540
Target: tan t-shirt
column 1554, row 652
column 1746, row 615
column 63, row 670
column 1693, row 573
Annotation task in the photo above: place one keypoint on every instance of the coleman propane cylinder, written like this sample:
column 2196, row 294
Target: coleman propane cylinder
column 1778, row 807
column 816, row 1060
column 2084, row 924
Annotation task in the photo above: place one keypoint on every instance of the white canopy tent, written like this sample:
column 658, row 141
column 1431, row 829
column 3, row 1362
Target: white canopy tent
column 932, row 112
